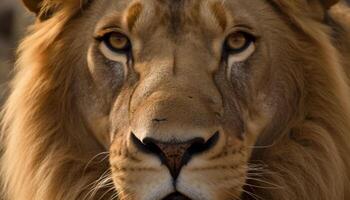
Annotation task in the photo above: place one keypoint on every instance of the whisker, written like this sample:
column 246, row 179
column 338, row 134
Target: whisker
column 93, row 158
column 266, row 182
column 115, row 196
column 261, row 187
column 255, row 196
column 104, row 194
column 263, row 146
column 101, row 182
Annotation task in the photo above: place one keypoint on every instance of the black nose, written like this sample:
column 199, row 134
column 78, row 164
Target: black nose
column 175, row 154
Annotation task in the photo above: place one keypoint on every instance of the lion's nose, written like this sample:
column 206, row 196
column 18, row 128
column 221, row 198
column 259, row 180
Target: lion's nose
column 175, row 154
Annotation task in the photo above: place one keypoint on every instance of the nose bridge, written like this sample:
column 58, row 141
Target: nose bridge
column 193, row 65
column 179, row 117
column 181, row 69
column 176, row 98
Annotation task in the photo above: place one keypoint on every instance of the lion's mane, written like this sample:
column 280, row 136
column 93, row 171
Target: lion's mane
column 47, row 147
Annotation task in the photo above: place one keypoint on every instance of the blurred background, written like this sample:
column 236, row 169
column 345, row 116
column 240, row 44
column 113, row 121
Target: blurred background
column 14, row 20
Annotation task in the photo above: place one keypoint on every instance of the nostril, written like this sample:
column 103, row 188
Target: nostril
column 146, row 145
column 200, row 147
column 175, row 155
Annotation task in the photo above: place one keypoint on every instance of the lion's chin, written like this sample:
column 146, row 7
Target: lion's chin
column 176, row 196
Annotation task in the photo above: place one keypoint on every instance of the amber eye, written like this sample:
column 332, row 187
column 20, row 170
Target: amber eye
column 117, row 42
column 238, row 42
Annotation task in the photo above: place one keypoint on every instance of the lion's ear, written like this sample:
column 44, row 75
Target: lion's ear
column 328, row 3
column 320, row 7
column 44, row 9
column 33, row 5
column 36, row 6
column 323, row 4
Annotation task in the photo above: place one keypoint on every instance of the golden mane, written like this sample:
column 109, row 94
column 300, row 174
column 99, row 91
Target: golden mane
column 47, row 159
column 317, row 165
column 46, row 155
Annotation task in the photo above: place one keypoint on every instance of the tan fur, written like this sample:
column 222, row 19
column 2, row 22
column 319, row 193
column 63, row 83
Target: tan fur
column 60, row 121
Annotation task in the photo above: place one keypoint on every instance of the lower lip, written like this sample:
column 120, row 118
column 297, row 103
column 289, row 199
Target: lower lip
column 176, row 196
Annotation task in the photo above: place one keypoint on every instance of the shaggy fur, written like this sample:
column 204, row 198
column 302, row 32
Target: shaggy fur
column 50, row 151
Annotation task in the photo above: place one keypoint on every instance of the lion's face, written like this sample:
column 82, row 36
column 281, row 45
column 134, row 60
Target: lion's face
column 181, row 91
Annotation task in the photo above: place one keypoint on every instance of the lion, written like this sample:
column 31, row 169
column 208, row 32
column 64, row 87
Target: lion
column 166, row 100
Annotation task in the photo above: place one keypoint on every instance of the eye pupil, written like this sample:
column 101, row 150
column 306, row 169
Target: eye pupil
column 117, row 42
column 237, row 42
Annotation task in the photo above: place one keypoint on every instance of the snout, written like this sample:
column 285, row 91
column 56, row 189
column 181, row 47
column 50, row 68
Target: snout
column 175, row 148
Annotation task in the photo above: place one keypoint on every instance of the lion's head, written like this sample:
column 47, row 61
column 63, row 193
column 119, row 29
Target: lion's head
column 191, row 99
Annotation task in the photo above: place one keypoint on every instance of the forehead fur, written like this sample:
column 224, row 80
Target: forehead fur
column 181, row 12
column 178, row 14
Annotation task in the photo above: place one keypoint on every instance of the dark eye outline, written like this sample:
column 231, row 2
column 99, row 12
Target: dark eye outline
column 249, row 40
column 106, row 40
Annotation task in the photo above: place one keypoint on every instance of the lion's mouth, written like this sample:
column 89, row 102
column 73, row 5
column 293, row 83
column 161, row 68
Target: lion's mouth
column 176, row 196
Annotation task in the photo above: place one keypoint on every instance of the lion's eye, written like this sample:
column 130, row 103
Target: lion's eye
column 239, row 46
column 114, row 46
column 238, row 42
column 117, row 42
